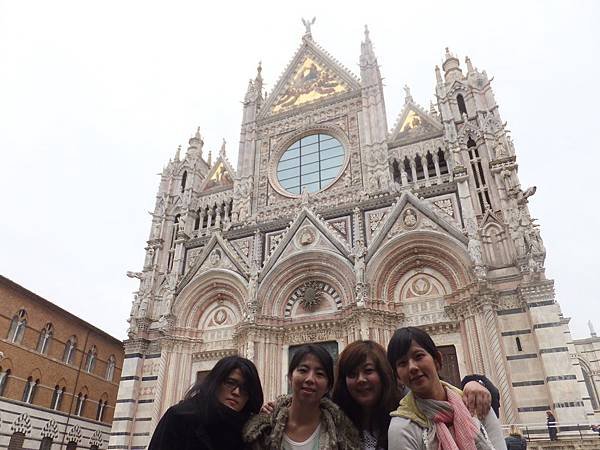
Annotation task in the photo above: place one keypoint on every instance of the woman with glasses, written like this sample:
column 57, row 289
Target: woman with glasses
column 213, row 412
column 307, row 419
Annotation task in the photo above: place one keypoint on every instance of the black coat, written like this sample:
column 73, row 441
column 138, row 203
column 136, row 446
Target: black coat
column 183, row 427
column 515, row 443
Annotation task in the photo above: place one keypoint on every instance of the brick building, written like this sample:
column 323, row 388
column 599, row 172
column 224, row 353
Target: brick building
column 59, row 375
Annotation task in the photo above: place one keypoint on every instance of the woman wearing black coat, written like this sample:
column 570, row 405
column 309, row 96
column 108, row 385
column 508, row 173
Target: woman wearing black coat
column 214, row 411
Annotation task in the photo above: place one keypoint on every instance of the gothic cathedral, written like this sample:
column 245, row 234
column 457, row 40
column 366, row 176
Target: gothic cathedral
column 334, row 227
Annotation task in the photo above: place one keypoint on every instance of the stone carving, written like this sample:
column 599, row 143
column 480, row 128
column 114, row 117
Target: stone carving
column 50, row 430
column 74, row 434
column 307, row 236
column 375, row 219
column 421, row 286
column 215, row 257
column 446, row 206
column 311, row 295
column 220, row 316
column 22, row 424
column 409, row 218
column 96, row 439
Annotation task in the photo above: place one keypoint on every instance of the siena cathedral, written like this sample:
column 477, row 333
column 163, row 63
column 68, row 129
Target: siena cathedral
column 335, row 227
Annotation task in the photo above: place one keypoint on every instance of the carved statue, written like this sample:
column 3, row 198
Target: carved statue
column 359, row 253
column 475, row 253
column 308, row 24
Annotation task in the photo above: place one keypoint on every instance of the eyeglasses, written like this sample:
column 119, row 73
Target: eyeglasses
column 232, row 384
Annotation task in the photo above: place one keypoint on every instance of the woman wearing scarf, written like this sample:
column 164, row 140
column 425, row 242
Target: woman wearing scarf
column 433, row 415
column 214, row 411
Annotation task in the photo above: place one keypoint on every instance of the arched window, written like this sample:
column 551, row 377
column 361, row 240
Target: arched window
column 46, row 443
column 4, row 375
column 442, row 162
column 70, row 347
column 110, row 368
column 183, row 181
column 460, row 101
column 80, row 405
column 45, row 338
column 17, row 327
column 90, row 359
column 478, row 175
column 591, row 388
column 101, row 410
column 30, row 390
column 519, row 346
column 57, row 397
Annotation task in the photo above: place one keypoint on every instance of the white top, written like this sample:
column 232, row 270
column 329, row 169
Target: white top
column 312, row 443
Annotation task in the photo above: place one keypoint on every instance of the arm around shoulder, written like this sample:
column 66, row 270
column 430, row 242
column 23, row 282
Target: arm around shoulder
column 404, row 435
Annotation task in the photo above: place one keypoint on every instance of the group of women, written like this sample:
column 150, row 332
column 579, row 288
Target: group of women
column 358, row 409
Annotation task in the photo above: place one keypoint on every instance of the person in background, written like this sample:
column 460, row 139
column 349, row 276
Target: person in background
column 307, row 419
column 213, row 412
column 551, row 424
column 515, row 439
column 433, row 415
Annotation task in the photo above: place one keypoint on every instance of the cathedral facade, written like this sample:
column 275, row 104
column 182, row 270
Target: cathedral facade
column 335, row 227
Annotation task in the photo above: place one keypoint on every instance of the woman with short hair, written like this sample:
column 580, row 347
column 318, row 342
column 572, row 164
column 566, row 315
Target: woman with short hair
column 433, row 415
column 306, row 419
column 214, row 410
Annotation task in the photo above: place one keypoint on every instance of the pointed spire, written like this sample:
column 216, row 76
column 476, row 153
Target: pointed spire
column 592, row 330
column 407, row 97
column 432, row 111
column 222, row 151
column 178, row 153
column 451, row 67
column 469, row 65
column 258, row 81
column 438, row 75
column 195, row 144
column 367, row 55
column 209, row 162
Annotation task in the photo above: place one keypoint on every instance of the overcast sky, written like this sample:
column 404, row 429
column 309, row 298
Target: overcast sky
column 95, row 97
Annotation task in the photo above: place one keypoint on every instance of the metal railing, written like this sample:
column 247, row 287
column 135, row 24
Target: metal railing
column 539, row 431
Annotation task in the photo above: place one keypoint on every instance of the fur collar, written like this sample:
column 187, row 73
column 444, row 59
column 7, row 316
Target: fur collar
column 337, row 431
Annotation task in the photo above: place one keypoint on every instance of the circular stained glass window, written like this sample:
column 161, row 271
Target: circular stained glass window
column 311, row 163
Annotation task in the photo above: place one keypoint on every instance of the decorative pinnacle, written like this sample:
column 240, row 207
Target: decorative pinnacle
column 367, row 39
column 178, row 152
column 407, row 97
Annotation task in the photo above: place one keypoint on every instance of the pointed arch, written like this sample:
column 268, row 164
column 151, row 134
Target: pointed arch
column 200, row 294
column 415, row 251
column 287, row 276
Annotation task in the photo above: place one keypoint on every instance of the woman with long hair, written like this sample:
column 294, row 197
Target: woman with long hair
column 306, row 419
column 365, row 389
column 433, row 415
column 213, row 412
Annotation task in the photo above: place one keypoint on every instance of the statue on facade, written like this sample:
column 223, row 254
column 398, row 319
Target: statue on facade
column 359, row 254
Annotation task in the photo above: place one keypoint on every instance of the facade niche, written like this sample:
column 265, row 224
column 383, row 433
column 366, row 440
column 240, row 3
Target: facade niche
column 462, row 107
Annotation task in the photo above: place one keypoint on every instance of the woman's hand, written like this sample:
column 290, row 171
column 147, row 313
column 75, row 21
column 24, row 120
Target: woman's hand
column 268, row 408
column 477, row 399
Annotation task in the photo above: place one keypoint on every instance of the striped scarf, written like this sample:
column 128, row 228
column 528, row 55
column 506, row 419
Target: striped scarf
column 467, row 435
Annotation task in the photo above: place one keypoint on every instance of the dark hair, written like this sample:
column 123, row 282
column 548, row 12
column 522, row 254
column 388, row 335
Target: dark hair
column 351, row 358
column 402, row 340
column 318, row 352
column 205, row 392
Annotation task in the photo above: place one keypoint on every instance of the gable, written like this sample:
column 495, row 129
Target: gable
column 413, row 123
column 410, row 213
column 312, row 76
column 220, row 176
column 307, row 232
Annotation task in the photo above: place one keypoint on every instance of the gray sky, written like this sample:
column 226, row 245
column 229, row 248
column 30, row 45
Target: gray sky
column 96, row 96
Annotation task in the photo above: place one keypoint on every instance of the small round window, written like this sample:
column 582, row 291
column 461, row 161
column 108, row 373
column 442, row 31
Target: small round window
column 311, row 163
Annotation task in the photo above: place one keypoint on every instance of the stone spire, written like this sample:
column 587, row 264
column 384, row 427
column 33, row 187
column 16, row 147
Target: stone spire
column 367, row 55
column 451, row 67
column 407, row 96
column 178, row 153
column 195, row 145
column 591, row 327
